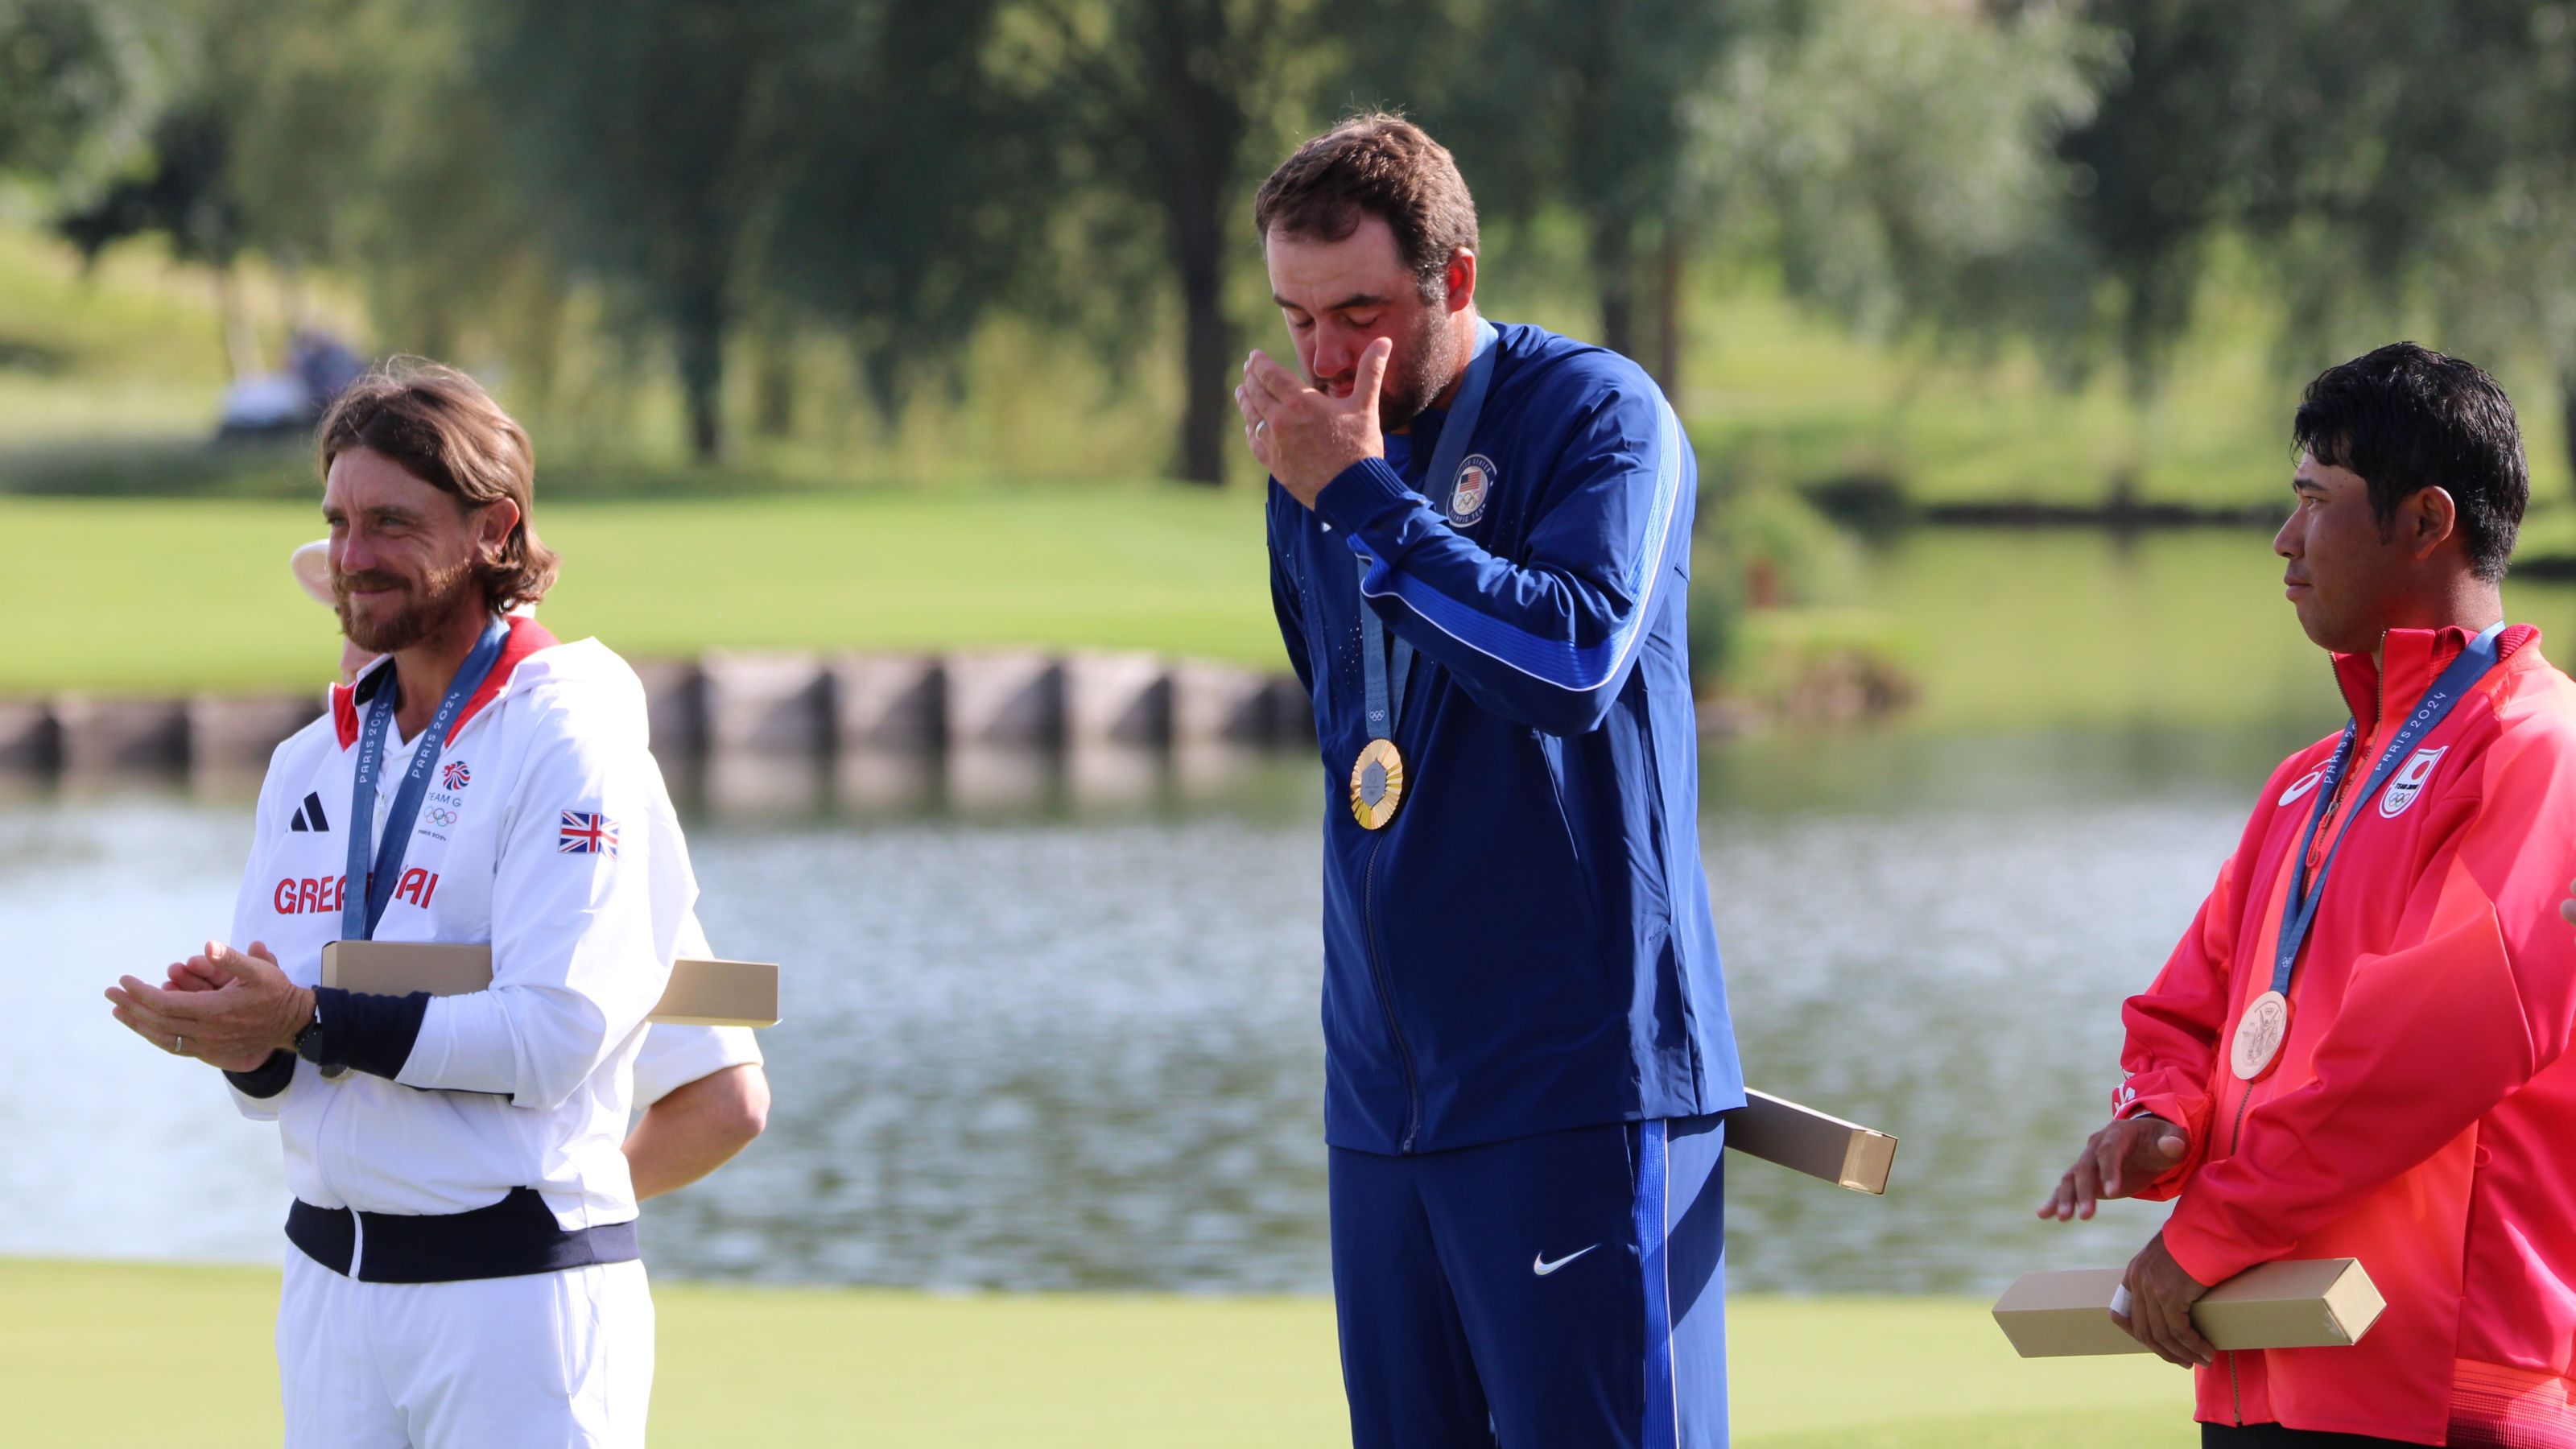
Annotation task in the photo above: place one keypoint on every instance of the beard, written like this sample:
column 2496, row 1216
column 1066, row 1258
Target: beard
column 1422, row 367
column 436, row 600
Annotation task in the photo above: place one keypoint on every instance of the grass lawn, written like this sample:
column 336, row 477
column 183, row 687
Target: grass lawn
column 157, row 595
column 131, row 349
column 130, row 1355
column 2083, row 628
column 167, row 573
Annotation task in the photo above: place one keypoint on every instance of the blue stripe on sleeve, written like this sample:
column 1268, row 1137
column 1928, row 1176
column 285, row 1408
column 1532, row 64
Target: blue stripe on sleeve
column 1559, row 662
column 1662, row 1426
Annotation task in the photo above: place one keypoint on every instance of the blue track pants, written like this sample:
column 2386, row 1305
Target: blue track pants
column 1562, row 1291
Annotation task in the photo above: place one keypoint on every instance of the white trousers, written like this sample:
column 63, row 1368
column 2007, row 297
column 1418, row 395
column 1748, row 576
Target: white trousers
column 545, row 1361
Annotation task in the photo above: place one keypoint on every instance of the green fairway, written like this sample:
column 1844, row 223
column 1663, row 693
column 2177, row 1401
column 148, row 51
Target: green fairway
column 130, row 1355
column 162, row 596
column 157, row 596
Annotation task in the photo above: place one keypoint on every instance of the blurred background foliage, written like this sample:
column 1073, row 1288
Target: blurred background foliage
column 1889, row 257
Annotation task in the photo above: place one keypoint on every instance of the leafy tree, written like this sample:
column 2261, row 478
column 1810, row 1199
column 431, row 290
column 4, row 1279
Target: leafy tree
column 1582, row 108
column 2417, row 165
column 2388, row 166
column 1890, row 161
column 358, row 138
column 906, row 193
column 1165, row 113
column 648, row 130
column 184, row 192
column 69, row 73
column 338, row 132
column 1897, row 164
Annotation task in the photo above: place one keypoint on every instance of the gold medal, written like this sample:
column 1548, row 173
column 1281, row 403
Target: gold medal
column 1377, row 785
column 2259, row 1035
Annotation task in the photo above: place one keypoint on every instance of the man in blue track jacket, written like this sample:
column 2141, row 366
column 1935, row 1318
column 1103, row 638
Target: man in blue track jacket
column 1480, row 546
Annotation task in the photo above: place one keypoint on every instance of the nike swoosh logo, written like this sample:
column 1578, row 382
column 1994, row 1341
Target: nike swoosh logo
column 1542, row 1267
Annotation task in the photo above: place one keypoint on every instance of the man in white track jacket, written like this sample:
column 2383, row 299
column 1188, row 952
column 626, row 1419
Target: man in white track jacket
column 465, row 1269
column 700, row 1092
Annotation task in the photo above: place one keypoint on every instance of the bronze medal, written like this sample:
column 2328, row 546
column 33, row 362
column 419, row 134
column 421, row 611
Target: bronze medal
column 1377, row 785
column 2259, row 1035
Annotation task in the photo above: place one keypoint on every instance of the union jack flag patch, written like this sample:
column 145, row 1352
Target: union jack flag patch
column 586, row 835
column 454, row 776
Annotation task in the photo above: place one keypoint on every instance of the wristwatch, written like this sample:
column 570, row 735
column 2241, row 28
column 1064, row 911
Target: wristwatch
column 308, row 1042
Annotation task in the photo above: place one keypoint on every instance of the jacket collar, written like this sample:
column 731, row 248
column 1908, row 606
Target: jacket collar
column 526, row 637
column 2415, row 658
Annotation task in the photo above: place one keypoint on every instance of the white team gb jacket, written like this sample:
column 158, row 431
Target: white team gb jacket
column 547, row 833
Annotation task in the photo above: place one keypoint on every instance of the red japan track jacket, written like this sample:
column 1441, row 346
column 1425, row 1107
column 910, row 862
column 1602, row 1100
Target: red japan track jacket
column 2422, row 1116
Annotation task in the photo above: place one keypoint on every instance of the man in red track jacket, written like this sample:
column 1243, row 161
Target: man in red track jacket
column 2359, row 1049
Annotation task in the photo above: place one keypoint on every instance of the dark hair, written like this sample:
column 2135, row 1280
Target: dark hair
column 441, row 427
column 1377, row 165
column 2408, row 418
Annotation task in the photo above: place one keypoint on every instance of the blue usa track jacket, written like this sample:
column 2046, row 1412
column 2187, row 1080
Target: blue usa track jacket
column 1527, row 945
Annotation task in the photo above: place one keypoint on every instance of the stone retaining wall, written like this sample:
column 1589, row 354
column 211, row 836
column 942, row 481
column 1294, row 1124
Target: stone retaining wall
column 749, row 705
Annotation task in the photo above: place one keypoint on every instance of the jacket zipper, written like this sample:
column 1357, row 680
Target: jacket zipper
column 1386, row 998
column 2235, row 1387
column 2383, row 683
column 2334, row 807
column 322, row 1148
column 2245, row 1100
column 325, row 1150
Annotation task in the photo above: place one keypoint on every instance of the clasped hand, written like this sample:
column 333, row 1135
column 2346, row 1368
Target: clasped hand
column 1306, row 437
column 221, row 1006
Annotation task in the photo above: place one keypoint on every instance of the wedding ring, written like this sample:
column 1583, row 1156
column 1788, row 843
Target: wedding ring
column 178, row 1046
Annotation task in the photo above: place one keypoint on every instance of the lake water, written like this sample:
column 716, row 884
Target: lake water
column 1061, row 1032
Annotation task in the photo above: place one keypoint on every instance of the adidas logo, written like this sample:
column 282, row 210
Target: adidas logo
column 308, row 816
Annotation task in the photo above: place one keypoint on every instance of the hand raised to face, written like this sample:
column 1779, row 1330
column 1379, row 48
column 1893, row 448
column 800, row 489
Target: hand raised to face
column 1304, row 437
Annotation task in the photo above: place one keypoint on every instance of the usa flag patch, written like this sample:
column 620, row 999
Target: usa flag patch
column 586, row 835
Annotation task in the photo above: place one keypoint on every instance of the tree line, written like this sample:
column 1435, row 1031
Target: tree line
column 896, row 174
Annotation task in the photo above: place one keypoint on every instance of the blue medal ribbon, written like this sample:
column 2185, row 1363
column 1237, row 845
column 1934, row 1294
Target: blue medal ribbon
column 1384, row 678
column 2299, row 912
column 366, row 893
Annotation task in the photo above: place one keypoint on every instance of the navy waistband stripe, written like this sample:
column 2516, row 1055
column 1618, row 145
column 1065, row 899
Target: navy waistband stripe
column 512, row 1238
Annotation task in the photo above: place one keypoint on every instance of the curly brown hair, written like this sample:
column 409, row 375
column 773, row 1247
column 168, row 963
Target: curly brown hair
column 1382, row 165
column 440, row 426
